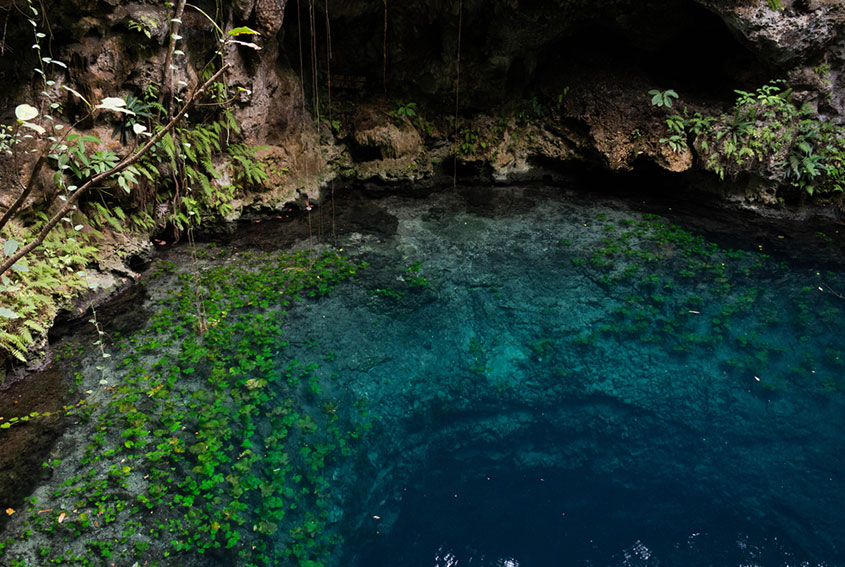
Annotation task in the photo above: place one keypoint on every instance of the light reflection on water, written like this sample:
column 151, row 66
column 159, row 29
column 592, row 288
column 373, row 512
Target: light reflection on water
column 444, row 558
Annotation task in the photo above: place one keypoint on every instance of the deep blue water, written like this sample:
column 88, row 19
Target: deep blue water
column 557, row 517
column 584, row 385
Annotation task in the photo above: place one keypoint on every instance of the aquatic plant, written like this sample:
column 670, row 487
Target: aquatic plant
column 675, row 288
column 215, row 428
column 413, row 278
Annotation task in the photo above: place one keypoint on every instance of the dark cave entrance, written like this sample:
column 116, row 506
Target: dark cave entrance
column 684, row 47
column 677, row 45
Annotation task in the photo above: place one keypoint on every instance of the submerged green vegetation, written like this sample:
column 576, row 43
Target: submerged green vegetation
column 232, row 430
column 208, row 442
column 677, row 289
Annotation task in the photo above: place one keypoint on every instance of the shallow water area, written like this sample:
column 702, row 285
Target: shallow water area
column 488, row 376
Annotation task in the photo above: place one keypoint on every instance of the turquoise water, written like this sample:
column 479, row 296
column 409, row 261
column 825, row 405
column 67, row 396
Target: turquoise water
column 587, row 385
column 516, row 377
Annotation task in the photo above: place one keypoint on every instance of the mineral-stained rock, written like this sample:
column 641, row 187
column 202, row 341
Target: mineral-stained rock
column 269, row 15
column 396, row 138
column 788, row 36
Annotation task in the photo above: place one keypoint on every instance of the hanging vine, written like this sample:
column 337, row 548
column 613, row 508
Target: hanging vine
column 167, row 91
column 331, row 114
column 457, row 92
column 384, row 50
column 299, row 38
column 315, row 94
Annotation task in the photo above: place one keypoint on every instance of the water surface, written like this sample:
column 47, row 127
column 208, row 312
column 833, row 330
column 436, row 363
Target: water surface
column 513, row 377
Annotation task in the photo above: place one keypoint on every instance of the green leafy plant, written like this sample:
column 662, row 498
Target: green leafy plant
column 130, row 124
column 560, row 98
column 404, row 110
column 241, row 462
column 145, row 25
column 413, row 277
column 766, row 130
column 662, row 98
column 177, row 158
column 469, row 142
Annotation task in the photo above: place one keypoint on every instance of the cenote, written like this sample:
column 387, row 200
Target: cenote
column 496, row 376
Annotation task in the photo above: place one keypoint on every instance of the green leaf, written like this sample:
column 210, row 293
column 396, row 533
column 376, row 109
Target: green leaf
column 254, row 46
column 70, row 90
column 10, row 247
column 35, row 127
column 24, row 112
column 115, row 104
column 656, row 98
column 8, row 313
column 243, row 30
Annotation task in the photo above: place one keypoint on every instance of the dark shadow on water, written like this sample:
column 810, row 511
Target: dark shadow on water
column 545, row 518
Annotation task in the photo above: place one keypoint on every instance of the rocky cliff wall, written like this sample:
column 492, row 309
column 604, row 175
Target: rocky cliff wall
column 548, row 82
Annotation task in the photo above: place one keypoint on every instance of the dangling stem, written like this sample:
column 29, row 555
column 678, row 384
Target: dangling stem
column 457, row 93
column 301, row 74
column 167, row 91
column 329, row 59
column 99, row 343
column 315, row 84
column 301, row 66
column 310, row 232
column 202, row 318
column 331, row 115
column 384, row 50
column 3, row 39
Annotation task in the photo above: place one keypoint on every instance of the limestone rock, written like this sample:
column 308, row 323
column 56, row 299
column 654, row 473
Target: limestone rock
column 786, row 37
column 393, row 138
column 269, row 15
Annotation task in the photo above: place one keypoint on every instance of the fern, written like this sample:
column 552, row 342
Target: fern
column 51, row 277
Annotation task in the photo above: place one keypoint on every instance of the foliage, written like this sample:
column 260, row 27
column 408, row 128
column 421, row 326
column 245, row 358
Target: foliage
column 404, row 110
column 767, row 130
column 199, row 168
column 410, row 111
column 144, row 25
column 469, row 142
column 230, row 441
column 414, row 278
column 560, row 98
column 663, row 98
column 206, row 170
column 34, row 288
column 675, row 289
column 128, row 122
